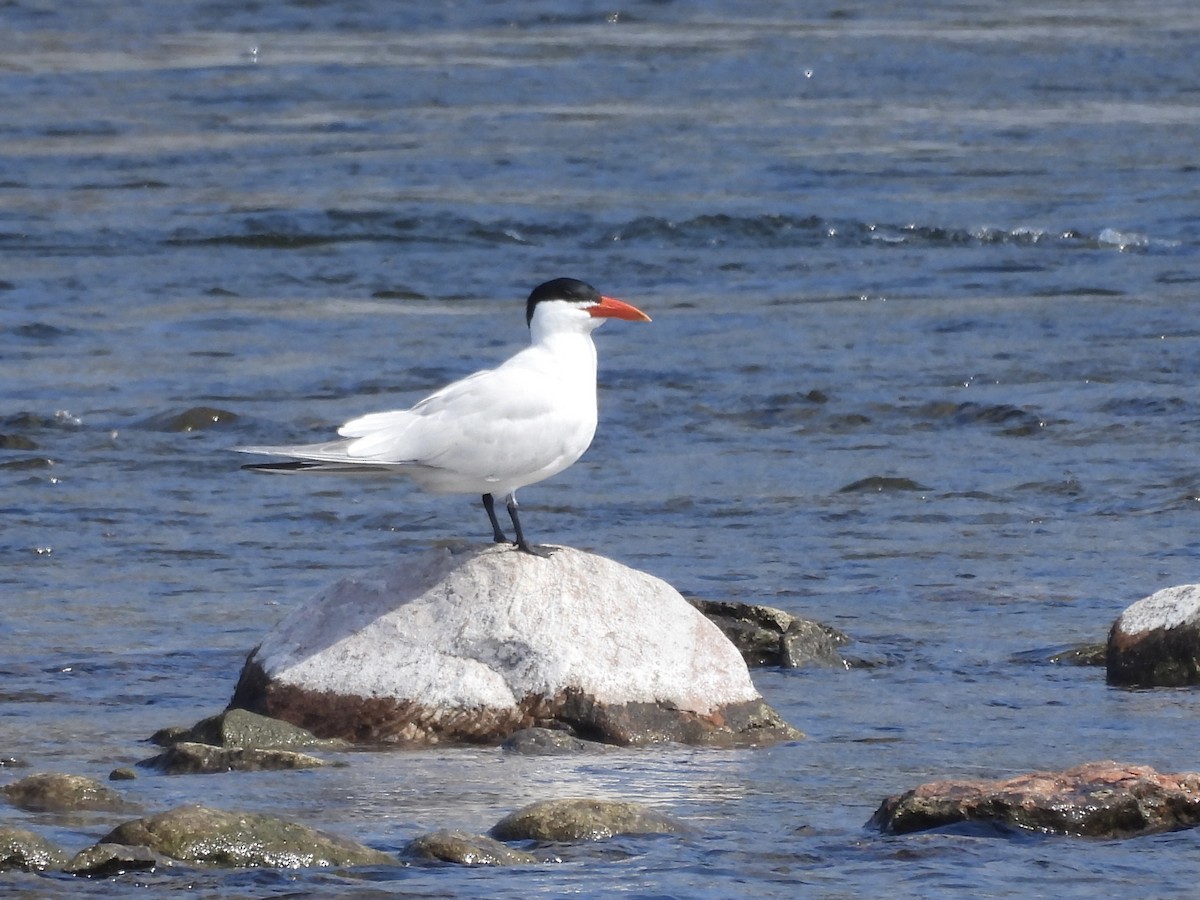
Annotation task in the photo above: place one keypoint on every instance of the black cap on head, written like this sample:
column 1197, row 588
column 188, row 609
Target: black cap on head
column 570, row 289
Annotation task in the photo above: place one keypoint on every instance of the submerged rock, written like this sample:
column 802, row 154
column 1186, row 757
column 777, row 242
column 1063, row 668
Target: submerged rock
column 55, row 792
column 473, row 644
column 1097, row 799
column 203, row 759
column 583, row 820
column 194, row 419
column 1156, row 641
column 766, row 636
column 21, row 849
column 197, row 834
column 466, row 849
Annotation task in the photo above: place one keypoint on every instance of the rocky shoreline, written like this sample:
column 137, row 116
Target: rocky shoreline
column 1152, row 643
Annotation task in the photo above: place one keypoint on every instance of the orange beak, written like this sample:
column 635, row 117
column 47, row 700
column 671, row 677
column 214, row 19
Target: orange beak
column 610, row 308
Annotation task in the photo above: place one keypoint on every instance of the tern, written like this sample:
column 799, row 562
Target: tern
column 495, row 431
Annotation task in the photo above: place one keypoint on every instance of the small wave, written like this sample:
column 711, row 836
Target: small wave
column 291, row 230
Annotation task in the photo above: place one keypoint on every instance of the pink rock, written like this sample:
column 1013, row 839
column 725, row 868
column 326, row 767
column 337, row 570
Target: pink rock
column 1097, row 799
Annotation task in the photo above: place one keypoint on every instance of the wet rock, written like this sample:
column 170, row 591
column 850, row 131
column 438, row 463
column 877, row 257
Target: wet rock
column 240, row 728
column 1080, row 655
column 16, row 442
column 197, row 834
column 584, row 820
column 548, row 742
column 21, row 849
column 1156, row 641
column 1098, row 799
column 466, row 849
column 203, row 759
column 1064, row 655
column 194, row 419
column 123, row 773
column 54, row 792
column 110, row 860
column 471, row 645
column 766, row 636
column 883, row 484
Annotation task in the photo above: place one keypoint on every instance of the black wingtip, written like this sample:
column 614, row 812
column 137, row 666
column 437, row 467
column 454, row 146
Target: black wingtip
column 294, row 466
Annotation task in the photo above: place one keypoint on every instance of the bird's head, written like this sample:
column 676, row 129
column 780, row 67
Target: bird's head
column 566, row 300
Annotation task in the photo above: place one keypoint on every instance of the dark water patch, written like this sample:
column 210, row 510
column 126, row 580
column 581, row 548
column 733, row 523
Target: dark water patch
column 28, row 463
column 138, row 185
column 1144, row 406
column 1011, row 420
column 1177, row 277
column 1070, row 488
column 41, row 332
column 1079, row 291
column 301, row 229
column 398, row 293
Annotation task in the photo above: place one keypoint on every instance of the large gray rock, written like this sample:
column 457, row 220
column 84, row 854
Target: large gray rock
column 1156, row 641
column 472, row 644
column 1099, row 799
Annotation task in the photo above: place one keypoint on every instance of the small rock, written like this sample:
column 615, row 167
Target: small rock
column 53, row 792
column 466, row 849
column 203, row 759
column 766, row 636
column 109, row 860
column 548, row 742
column 1098, row 799
column 1156, row 641
column 124, row 773
column 21, row 849
column 583, row 820
column 197, row 834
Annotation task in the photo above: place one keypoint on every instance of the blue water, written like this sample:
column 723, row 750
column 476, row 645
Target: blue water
column 954, row 246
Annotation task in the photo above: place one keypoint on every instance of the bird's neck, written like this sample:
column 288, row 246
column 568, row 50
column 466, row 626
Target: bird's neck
column 574, row 349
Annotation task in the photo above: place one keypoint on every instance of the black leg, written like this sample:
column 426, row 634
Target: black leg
column 522, row 544
column 489, row 503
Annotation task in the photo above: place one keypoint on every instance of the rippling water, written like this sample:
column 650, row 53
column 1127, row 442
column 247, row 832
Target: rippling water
column 923, row 367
